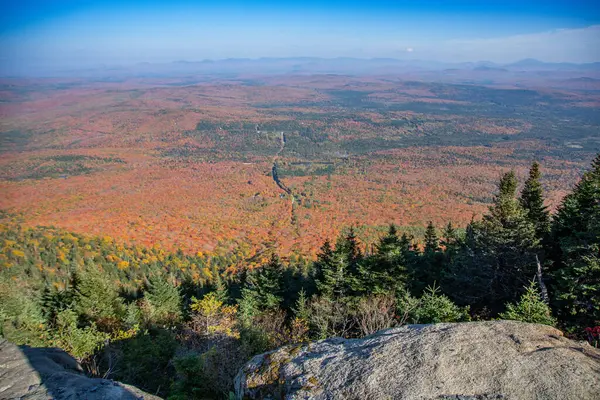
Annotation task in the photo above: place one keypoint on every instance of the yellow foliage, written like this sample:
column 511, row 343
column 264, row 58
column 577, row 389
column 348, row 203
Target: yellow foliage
column 17, row 253
column 214, row 317
column 207, row 273
column 128, row 334
column 123, row 264
column 208, row 306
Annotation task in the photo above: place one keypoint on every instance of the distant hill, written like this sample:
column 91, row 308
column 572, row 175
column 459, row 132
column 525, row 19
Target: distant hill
column 299, row 65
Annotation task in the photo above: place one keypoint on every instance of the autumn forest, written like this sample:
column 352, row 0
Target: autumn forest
column 163, row 230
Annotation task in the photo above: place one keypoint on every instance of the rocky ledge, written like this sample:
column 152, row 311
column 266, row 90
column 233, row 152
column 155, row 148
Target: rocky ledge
column 46, row 373
column 474, row 360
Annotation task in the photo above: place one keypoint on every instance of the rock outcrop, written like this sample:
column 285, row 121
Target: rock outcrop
column 44, row 373
column 475, row 360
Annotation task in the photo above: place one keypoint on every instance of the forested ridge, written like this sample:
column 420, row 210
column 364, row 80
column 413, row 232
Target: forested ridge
column 181, row 325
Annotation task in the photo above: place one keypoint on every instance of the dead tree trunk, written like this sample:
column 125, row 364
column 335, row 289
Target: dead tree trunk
column 540, row 279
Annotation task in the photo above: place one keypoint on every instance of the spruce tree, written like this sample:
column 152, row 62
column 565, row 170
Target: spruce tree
column 263, row 286
column 431, row 263
column 390, row 243
column 450, row 240
column 574, row 249
column 97, row 299
column 385, row 271
column 498, row 259
column 348, row 250
column 325, row 270
column 532, row 200
column 432, row 242
column 164, row 300
column 347, row 258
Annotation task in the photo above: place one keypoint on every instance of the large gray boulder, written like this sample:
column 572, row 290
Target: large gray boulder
column 473, row 360
column 44, row 373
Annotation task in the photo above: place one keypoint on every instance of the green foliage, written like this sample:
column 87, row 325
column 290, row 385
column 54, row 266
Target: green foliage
column 146, row 360
column 329, row 275
column 263, row 290
column 532, row 200
column 574, row 250
column 385, row 271
column 164, row 302
column 432, row 242
column 301, row 310
column 79, row 342
column 498, row 258
column 99, row 301
column 21, row 319
column 431, row 308
column 530, row 308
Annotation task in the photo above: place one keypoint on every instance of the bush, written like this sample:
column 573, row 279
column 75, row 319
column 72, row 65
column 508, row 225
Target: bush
column 375, row 313
column 530, row 308
column 81, row 343
column 21, row 319
column 431, row 308
column 330, row 318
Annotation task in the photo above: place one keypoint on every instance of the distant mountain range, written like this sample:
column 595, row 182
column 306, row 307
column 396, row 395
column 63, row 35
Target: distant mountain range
column 304, row 65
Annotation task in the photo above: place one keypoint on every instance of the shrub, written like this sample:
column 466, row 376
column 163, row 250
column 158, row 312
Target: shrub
column 530, row 308
column 431, row 308
column 331, row 317
column 81, row 343
column 375, row 313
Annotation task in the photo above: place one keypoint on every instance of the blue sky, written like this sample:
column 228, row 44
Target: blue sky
column 83, row 33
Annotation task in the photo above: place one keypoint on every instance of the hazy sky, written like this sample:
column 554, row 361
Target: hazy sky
column 82, row 33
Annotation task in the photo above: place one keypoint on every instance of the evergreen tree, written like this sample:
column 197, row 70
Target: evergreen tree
column 220, row 288
column 432, row 242
column 384, row 271
column 530, row 308
column 389, row 244
column 263, row 286
column 431, row 262
column 532, row 200
column 347, row 249
column 164, row 300
column 498, row 259
column 574, row 249
column 451, row 242
column 98, row 300
column 325, row 270
column 302, row 309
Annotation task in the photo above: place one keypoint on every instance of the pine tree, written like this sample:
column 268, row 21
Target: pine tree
column 98, row 300
column 325, row 270
column 574, row 249
column 164, row 300
column 347, row 248
column 384, row 271
column 498, row 259
column 302, row 310
column 432, row 242
column 431, row 262
column 532, row 200
column 450, row 241
column 390, row 243
column 530, row 308
column 263, row 286
column 220, row 288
